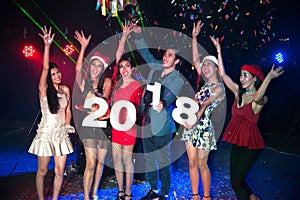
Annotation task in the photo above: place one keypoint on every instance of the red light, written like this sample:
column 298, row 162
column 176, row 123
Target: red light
column 69, row 49
column 28, row 51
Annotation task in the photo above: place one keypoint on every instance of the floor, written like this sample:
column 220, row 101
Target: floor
column 274, row 175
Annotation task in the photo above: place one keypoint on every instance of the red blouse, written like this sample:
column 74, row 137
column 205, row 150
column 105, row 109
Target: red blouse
column 242, row 129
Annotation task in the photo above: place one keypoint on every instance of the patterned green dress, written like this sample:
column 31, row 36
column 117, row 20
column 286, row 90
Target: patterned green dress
column 202, row 135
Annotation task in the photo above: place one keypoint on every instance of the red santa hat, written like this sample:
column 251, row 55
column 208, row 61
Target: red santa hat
column 103, row 59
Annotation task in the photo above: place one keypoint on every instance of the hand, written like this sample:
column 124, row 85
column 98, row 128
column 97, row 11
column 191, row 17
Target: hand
column 187, row 126
column 70, row 129
column 159, row 107
column 82, row 39
column 126, row 30
column 216, row 42
column 197, row 28
column 274, row 73
column 135, row 26
column 47, row 36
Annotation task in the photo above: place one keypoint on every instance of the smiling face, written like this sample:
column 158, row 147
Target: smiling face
column 96, row 69
column 55, row 75
column 247, row 80
column 125, row 69
column 209, row 69
column 169, row 59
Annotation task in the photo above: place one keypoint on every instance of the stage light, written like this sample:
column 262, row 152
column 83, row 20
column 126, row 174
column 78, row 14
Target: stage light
column 279, row 57
column 28, row 51
column 69, row 49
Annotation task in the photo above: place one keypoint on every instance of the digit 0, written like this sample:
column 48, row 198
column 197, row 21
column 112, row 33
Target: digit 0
column 130, row 117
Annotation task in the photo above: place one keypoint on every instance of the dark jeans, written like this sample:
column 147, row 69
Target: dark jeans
column 157, row 159
column 241, row 159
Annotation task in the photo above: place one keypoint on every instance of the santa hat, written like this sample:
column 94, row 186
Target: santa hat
column 254, row 69
column 212, row 58
column 103, row 59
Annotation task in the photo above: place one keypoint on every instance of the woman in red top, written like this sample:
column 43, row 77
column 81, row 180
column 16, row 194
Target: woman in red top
column 242, row 131
column 129, row 89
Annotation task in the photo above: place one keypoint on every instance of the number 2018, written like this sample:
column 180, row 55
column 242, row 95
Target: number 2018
column 184, row 105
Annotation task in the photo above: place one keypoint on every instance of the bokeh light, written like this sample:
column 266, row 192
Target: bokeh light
column 28, row 51
column 69, row 49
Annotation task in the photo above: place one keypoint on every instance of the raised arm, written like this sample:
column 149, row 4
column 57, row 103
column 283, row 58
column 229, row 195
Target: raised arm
column 143, row 49
column 120, row 50
column 227, row 80
column 274, row 73
column 48, row 39
column 79, row 63
column 195, row 50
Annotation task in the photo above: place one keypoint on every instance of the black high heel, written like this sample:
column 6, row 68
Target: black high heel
column 121, row 197
column 128, row 195
column 206, row 197
column 193, row 195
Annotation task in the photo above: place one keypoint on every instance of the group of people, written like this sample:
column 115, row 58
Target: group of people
column 158, row 125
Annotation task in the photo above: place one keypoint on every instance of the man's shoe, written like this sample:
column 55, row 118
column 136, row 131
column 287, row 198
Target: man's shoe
column 163, row 197
column 150, row 195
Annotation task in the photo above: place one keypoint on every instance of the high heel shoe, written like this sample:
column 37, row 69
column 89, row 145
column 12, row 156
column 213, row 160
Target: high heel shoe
column 206, row 197
column 128, row 195
column 121, row 197
column 196, row 195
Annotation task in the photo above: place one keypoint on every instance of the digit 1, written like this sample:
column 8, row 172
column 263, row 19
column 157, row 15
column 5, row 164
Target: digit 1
column 155, row 89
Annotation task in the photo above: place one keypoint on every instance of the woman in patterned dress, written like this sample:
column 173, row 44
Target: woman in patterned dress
column 52, row 134
column 200, row 138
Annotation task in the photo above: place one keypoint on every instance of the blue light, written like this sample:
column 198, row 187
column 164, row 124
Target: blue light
column 279, row 57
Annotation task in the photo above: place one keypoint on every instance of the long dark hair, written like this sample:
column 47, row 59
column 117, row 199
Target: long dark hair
column 257, row 84
column 120, row 80
column 89, row 82
column 51, row 91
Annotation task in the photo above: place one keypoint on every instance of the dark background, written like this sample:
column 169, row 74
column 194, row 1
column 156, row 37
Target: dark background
column 19, row 76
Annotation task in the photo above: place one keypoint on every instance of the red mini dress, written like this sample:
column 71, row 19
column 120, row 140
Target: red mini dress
column 132, row 93
column 242, row 129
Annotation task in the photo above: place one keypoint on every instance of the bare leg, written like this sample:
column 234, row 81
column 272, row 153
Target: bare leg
column 88, row 176
column 101, row 153
column 43, row 162
column 60, row 162
column 205, row 172
column 118, row 165
column 129, row 169
column 193, row 169
column 253, row 197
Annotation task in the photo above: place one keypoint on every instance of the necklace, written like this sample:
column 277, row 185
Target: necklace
column 250, row 91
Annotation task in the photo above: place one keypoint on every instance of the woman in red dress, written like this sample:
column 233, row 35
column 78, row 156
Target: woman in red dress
column 129, row 89
column 242, row 131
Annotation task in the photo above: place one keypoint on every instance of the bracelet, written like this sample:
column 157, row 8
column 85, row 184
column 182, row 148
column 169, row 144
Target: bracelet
column 218, row 52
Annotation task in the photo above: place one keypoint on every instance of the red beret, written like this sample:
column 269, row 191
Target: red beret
column 254, row 69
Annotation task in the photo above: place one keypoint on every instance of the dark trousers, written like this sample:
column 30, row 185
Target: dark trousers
column 157, row 159
column 241, row 159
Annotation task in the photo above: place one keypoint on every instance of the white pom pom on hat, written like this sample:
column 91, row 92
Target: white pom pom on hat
column 101, row 58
